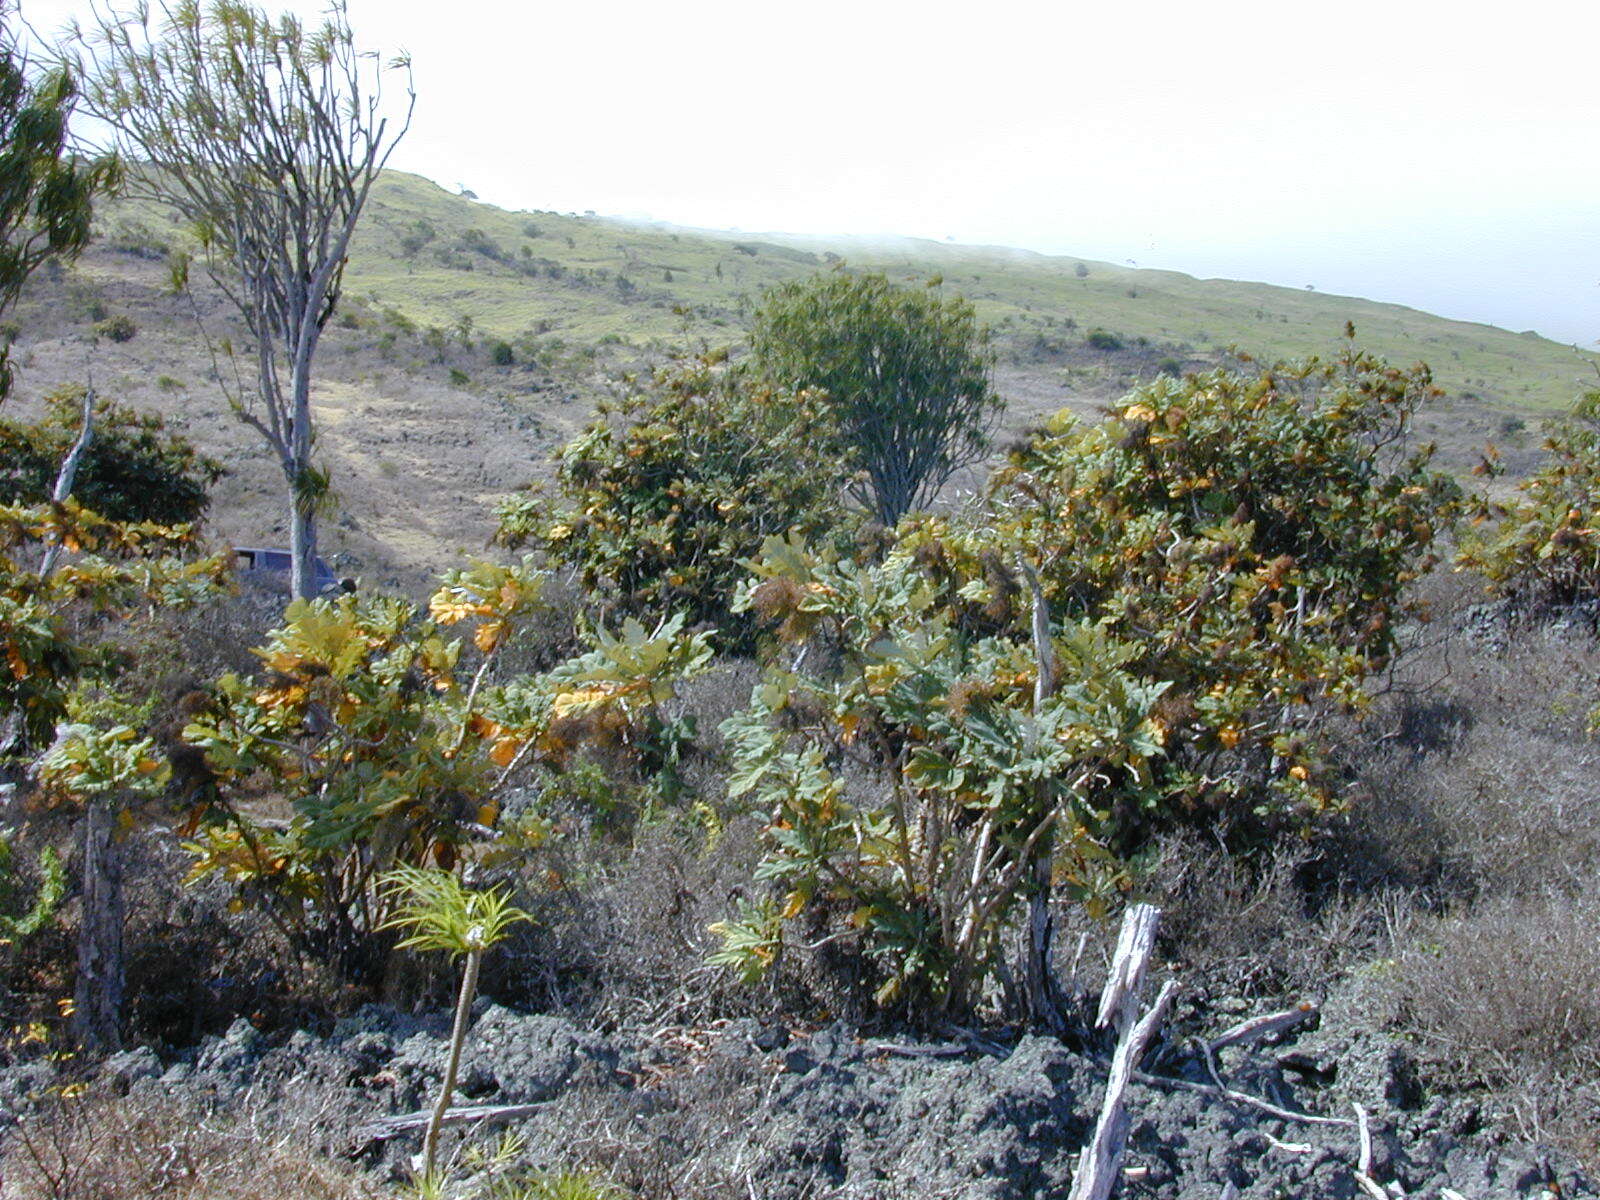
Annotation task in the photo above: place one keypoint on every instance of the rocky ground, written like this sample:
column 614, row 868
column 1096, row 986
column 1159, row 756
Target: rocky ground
column 769, row 1111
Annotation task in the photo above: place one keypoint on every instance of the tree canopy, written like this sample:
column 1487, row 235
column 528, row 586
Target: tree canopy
column 907, row 372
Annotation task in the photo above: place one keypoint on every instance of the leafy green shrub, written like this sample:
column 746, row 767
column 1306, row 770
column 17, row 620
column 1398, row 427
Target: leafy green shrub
column 459, row 377
column 117, row 328
column 133, row 470
column 1252, row 532
column 1103, row 339
column 906, row 372
column 656, row 503
column 984, row 772
column 392, row 752
column 1544, row 546
column 502, row 355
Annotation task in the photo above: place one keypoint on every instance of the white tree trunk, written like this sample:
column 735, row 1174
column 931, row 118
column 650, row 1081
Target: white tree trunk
column 302, row 506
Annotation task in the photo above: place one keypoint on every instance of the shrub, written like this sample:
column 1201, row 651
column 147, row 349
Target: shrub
column 502, row 355
column 103, row 1147
column 1102, row 339
column 1510, row 993
column 389, row 753
column 117, row 329
column 1081, row 270
column 982, row 774
column 133, row 470
column 1543, row 548
column 459, row 377
column 656, row 503
column 44, row 647
column 1252, row 532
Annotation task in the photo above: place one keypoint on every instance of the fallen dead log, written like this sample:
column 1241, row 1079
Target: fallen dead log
column 385, row 1128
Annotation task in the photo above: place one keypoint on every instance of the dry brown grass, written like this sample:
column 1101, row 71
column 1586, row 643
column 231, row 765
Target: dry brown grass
column 145, row 1147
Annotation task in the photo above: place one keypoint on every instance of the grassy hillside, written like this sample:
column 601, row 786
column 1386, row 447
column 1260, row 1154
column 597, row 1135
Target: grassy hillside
column 424, row 429
column 437, row 257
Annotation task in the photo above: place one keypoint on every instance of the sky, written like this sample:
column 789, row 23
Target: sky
column 1441, row 156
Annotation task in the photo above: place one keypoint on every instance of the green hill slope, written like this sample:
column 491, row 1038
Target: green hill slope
column 425, row 426
column 438, row 257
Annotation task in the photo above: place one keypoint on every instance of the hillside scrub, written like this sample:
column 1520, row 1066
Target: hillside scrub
column 656, row 503
column 1541, row 549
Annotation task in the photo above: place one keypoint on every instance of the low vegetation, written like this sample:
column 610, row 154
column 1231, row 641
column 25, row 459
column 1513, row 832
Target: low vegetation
column 766, row 724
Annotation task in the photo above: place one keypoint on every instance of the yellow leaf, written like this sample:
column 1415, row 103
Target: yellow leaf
column 489, row 635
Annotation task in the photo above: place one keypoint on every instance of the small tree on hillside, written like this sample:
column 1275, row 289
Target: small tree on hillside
column 267, row 137
column 45, row 192
column 907, row 372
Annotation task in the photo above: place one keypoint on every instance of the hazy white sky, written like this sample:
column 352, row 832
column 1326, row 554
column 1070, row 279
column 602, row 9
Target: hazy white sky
column 1443, row 156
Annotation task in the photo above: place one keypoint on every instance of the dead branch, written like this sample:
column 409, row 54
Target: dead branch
column 1099, row 1164
column 1259, row 1027
column 385, row 1128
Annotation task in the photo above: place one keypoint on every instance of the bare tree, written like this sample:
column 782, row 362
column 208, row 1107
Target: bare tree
column 266, row 137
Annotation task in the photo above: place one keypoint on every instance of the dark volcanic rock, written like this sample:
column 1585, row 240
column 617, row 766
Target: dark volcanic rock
column 835, row 1116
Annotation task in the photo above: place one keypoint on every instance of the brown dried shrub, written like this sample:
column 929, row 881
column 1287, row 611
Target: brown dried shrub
column 141, row 1147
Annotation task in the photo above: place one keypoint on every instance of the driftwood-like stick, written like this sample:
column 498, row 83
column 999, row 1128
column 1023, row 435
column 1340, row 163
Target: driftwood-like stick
column 1253, row 1101
column 1100, row 1163
column 1259, row 1027
column 1135, row 942
column 385, row 1128
column 1237, row 1097
column 1363, row 1171
column 1364, row 1132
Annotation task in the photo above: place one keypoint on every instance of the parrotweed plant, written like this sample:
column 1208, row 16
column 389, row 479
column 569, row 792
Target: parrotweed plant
column 978, row 774
column 391, row 743
column 1252, row 531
